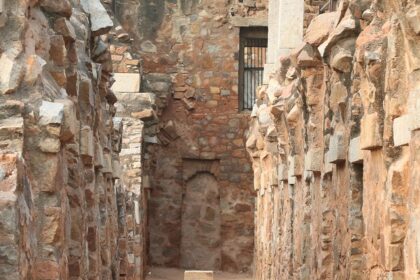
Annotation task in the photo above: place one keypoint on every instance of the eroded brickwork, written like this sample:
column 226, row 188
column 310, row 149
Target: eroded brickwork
column 189, row 54
column 65, row 212
column 335, row 149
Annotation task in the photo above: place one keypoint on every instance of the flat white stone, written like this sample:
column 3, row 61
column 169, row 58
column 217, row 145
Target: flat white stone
column 355, row 153
column 402, row 130
column 198, row 275
column 51, row 113
column 126, row 82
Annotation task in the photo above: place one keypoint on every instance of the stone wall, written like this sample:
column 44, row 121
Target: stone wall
column 189, row 57
column 65, row 211
column 334, row 141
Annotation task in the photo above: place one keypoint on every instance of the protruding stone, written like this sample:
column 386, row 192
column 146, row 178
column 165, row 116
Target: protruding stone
column 355, row 153
column 402, row 130
column 62, row 7
column 413, row 18
column 198, row 275
column 51, row 113
column 70, row 125
column 313, row 160
column 126, row 82
column 63, row 27
column 101, row 23
column 50, row 145
column 10, row 72
column 86, row 145
column 337, row 148
column 370, row 137
column 116, row 169
column 320, row 28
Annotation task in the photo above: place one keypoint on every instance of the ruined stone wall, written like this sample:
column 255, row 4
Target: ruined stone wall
column 189, row 57
column 65, row 213
column 334, row 141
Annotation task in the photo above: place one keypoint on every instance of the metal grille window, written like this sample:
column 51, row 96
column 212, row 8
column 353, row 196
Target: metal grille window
column 253, row 54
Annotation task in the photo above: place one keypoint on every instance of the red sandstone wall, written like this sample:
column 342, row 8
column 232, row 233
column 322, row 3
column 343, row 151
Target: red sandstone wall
column 190, row 63
column 334, row 143
column 64, row 212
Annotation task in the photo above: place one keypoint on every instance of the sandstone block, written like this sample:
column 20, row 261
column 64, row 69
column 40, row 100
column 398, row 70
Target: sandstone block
column 100, row 21
column 337, row 148
column 320, row 28
column 63, row 27
column 328, row 167
column 126, row 82
column 413, row 17
column 50, row 145
column 355, row 153
column 370, row 137
column 58, row 7
column 338, row 95
column 99, row 156
column 198, row 275
column 116, row 169
column 10, row 72
column 86, row 95
column 107, row 169
column 282, row 172
column 70, row 125
column 58, row 52
column 86, row 145
column 313, row 160
column 402, row 130
column 51, row 113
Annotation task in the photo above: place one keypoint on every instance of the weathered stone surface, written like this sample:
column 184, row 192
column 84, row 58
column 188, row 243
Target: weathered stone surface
column 63, row 27
column 402, row 130
column 319, row 29
column 86, row 144
column 62, row 7
column 100, row 21
column 413, row 17
column 370, row 138
column 10, row 72
column 126, row 82
column 51, row 113
column 355, row 153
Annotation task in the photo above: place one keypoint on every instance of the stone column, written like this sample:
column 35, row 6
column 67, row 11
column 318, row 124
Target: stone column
column 285, row 31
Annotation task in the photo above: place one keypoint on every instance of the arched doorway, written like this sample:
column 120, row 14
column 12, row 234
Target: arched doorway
column 201, row 240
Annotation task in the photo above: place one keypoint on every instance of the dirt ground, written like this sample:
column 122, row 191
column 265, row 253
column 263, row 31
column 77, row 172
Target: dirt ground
column 178, row 274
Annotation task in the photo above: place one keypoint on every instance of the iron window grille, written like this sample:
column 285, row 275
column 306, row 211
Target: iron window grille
column 252, row 58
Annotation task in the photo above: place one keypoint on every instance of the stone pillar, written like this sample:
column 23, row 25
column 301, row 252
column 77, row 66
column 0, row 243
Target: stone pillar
column 285, row 32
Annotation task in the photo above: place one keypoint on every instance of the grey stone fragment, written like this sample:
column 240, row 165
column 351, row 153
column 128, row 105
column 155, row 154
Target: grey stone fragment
column 101, row 22
column 337, row 151
column 51, row 113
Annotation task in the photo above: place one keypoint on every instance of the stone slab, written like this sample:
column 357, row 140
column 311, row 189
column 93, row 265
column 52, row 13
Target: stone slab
column 313, row 160
column 355, row 153
column 126, row 82
column 198, row 275
column 51, row 113
column 370, row 137
column 337, row 151
column 101, row 22
column 402, row 130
